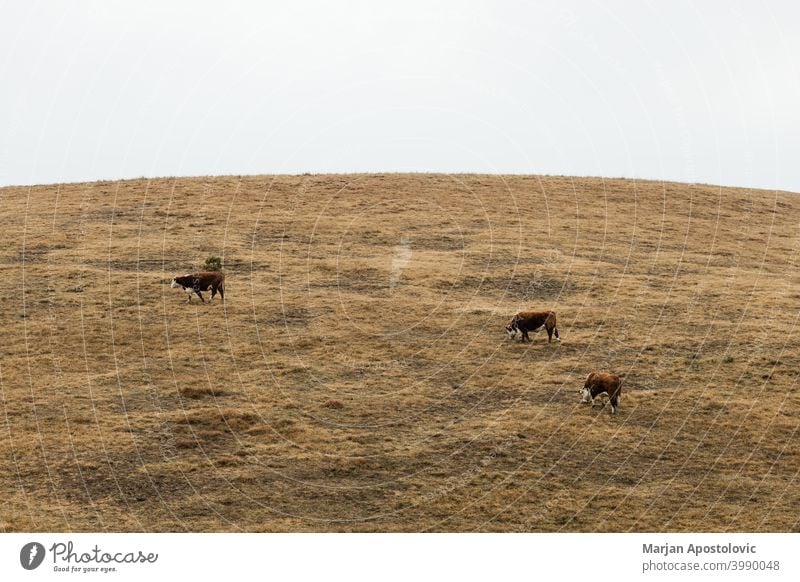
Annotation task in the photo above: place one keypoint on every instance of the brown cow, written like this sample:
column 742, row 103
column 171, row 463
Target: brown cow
column 197, row 282
column 526, row 321
column 599, row 384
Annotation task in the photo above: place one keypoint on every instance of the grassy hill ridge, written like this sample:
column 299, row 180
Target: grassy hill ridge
column 358, row 378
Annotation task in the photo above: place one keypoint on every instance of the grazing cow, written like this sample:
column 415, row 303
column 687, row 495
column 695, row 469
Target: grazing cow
column 602, row 383
column 197, row 282
column 533, row 321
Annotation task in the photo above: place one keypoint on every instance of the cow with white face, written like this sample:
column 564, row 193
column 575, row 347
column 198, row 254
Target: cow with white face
column 196, row 283
column 534, row 321
column 600, row 384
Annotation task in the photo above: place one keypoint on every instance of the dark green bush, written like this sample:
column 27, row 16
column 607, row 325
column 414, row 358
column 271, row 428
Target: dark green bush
column 213, row 264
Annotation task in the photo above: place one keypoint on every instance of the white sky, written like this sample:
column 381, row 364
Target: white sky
column 702, row 91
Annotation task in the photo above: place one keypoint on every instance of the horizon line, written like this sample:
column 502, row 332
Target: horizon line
column 395, row 172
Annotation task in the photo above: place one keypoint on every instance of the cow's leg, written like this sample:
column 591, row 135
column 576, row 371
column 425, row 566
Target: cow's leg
column 615, row 401
column 525, row 336
column 549, row 334
column 200, row 295
column 213, row 294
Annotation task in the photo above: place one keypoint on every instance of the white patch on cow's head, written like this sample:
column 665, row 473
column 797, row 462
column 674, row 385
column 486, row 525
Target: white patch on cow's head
column 174, row 284
column 586, row 396
column 512, row 328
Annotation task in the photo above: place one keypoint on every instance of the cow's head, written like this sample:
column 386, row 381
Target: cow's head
column 511, row 331
column 586, row 396
column 182, row 283
column 512, row 328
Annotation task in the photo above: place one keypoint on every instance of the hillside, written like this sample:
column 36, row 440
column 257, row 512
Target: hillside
column 358, row 377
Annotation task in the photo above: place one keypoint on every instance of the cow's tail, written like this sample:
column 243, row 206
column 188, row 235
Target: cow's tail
column 552, row 320
column 617, row 394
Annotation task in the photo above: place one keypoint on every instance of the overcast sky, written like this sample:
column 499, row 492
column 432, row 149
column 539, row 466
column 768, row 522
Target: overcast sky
column 691, row 91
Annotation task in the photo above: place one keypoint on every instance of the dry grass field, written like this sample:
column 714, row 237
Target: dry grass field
column 358, row 377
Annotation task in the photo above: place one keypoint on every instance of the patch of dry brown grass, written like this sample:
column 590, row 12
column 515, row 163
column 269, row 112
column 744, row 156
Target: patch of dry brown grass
column 358, row 378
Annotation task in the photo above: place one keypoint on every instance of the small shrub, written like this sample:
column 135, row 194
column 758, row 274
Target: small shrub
column 727, row 359
column 213, row 264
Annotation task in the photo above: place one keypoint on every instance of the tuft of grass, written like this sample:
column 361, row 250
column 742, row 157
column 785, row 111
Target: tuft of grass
column 195, row 393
